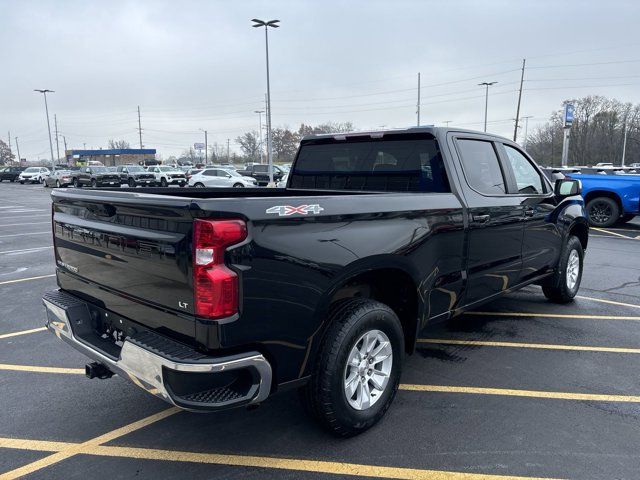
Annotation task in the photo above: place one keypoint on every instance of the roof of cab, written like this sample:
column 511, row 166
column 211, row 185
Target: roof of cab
column 381, row 133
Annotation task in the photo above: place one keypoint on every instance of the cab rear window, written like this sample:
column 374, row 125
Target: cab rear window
column 387, row 164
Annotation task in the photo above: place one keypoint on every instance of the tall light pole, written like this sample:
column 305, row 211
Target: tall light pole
column 206, row 147
column 274, row 24
column 486, row 100
column 46, row 109
column 260, row 112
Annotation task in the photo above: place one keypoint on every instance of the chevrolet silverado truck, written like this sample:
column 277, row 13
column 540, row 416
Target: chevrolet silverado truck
column 94, row 177
column 610, row 199
column 214, row 298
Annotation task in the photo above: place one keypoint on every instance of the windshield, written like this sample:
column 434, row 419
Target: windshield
column 135, row 168
column 99, row 169
column 32, row 170
column 166, row 169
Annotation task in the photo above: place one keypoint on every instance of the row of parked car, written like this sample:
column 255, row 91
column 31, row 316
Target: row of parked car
column 157, row 175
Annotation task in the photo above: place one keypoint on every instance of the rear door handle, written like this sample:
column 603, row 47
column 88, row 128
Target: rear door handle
column 480, row 218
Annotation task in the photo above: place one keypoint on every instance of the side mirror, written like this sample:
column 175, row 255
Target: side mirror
column 568, row 187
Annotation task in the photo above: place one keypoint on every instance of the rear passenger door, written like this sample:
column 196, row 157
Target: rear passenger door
column 542, row 240
column 495, row 220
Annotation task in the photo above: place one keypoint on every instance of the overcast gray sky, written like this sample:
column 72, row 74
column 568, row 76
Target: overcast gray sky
column 199, row 64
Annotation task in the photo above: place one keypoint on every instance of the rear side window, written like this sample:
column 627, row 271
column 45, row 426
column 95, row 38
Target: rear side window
column 527, row 177
column 397, row 164
column 481, row 166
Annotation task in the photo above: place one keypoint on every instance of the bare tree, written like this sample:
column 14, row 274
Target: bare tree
column 5, row 154
column 118, row 144
column 250, row 145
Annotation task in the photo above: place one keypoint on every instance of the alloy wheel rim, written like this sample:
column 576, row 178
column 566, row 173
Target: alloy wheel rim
column 366, row 374
column 573, row 269
column 600, row 212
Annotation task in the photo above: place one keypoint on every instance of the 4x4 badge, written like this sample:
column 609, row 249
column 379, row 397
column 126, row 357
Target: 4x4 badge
column 286, row 210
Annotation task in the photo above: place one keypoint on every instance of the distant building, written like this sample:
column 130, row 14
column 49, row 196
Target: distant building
column 112, row 157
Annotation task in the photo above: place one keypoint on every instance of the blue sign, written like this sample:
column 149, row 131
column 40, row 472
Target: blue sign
column 568, row 115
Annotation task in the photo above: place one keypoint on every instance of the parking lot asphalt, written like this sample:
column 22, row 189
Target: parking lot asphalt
column 521, row 388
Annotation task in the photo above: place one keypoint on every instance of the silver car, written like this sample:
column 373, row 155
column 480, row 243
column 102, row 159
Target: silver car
column 58, row 179
column 221, row 177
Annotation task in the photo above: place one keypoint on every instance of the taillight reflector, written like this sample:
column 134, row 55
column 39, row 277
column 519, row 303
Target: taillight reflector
column 215, row 285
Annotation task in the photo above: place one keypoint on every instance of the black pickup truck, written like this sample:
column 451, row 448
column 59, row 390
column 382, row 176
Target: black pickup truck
column 261, row 173
column 217, row 298
column 94, row 177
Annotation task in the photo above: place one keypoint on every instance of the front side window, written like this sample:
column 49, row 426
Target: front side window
column 482, row 167
column 528, row 179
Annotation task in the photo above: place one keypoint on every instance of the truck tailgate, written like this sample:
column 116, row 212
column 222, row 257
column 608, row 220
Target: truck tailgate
column 133, row 254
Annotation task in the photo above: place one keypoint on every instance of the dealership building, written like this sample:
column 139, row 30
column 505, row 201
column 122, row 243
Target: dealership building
column 111, row 157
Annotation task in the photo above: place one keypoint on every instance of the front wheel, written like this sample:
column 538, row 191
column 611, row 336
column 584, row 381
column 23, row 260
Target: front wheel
column 76, row 183
column 603, row 212
column 163, row 182
column 563, row 285
column 357, row 371
column 132, row 183
column 238, row 185
column 93, row 183
column 199, row 185
column 57, row 183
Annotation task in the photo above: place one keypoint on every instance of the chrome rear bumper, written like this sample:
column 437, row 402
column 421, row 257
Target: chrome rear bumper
column 170, row 370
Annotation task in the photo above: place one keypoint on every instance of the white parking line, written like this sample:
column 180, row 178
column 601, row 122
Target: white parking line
column 24, row 250
column 23, row 224
column 22, row 234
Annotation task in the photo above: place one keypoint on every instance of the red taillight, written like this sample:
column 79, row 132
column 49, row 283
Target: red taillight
column 215, row 286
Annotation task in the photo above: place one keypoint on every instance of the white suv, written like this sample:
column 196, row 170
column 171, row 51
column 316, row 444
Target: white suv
column 220, row 177
column 166, row 175
column 33, row 175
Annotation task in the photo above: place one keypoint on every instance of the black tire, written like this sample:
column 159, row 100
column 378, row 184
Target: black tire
column 556, row 288
column 603, row 212
column 94, row 184
column 626, row 218
column 163, row 182
column 324, row 397
column 199, row 185
column 238, row 185
column 76, row 183
column 21, row 182
column 132, row 183
column 12, row 180
column 57, row 183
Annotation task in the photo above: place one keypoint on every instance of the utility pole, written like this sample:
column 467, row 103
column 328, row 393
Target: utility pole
column 486, row 100
column 9, row 135
column 65, row 145
column 228, row 157
column 55, row 121
column 418, row 104
column 260, row 112
column 266, row 25
column 526, row 127
column 206, row 147
column 18, row 149
column 515, row 130
column 624, row 144
column 139, row 127
column 46, row 109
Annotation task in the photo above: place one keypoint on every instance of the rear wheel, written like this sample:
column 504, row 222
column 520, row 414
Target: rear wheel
column 357, row 370
column 132, row 183
column 603, row 212
column 57, row 183
column 238, row 185
column 563, row 285
column 199, row 185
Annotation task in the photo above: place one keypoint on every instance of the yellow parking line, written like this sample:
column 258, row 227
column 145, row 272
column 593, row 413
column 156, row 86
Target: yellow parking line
column 87, row 447
column 552, row 315
column 613, row 233
column 611, row 302
column 36, row 369
column 592, row 397
column 290, row 464
column 7, row 282
column 23, row 332
column 541, row 346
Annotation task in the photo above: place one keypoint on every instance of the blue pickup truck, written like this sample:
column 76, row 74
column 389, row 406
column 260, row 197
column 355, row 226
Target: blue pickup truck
column 610, row 199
